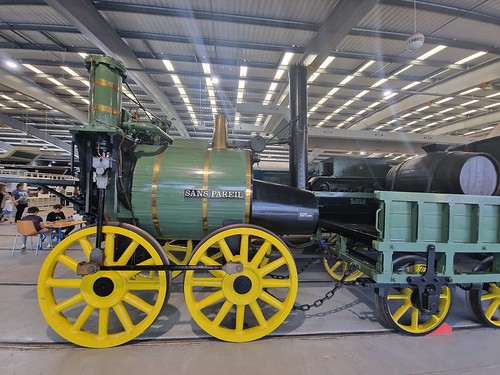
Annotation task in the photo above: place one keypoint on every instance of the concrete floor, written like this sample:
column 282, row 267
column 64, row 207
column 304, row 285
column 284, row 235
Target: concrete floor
column 342, row 336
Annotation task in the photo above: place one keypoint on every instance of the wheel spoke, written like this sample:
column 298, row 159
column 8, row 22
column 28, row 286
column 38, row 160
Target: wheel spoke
column 396, row 297
column 211, row 282
column 64, row 283
column 271, row 300
column 127, row 254
column 401, row 311
column 102, row 330
column 138, row 303
column 240, row 318
column 109, row 249
column 488, row 296
column 414, row 319
column 69, row 302
column 224, row 310
column 68, row 261
column 87, row 247
column 261, row 253
column 225, row 250
column 244, row 248
column 276, row 283
column 272, row 266
column 492, row 308
column 124, row 317
column 208, row 261
column 210, row 300
column 82, row 318
column 257, row 312
column 144, row 284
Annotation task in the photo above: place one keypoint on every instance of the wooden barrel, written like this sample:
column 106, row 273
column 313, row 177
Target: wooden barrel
column 453, row 172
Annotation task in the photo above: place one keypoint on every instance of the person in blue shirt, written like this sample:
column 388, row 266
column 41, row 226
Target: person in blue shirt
column 20, row 200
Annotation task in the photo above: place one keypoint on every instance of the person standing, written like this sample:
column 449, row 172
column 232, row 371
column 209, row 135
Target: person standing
column 20, row 200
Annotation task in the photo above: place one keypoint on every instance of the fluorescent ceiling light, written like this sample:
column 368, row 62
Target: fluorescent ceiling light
column 286, row 58
column 470, row 90
column 348, row 103
column 309, row 59
column 320, row 124
column 273, row 86
column 23, row 105
column 402, row 70
column 468, row 133
column 470, row 102
column 243, row 71
column 491, row 105
column 487, row 128
column 406, row 115
column 176, row 79
column 361, row 112
column 7, row 97
column 390, row 95
column 471, row 57
column 365, row 66
column 449, row 118
column 413, row 84
column 374, row 104
column 313, row 77
column 362, row 93
column 493, row 95
column 430, row 124
column 327, row 62
column 206, row 68
column 55, row 81
column 345, row 80
column 379, row 127
column 83, row 54
column 431, row 52
column 31, row 67
column 332, row 91
column 469, row 112
column 444, row 100
column 168, row 65
column 447, row 110
column 72, row 92
column 422, row 108
column 321, row 101
column 412, row 122
column 378, row 83
column 241, row 84
column 70, row 71
column 313, row 109
column 86, row 101
column 278, row 74
column 338, row 110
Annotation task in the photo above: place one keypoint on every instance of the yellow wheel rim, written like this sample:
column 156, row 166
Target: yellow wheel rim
column 248, row 305
column 401, row 311
column 485, row 304
column 178, row 252
column 107, row 308
column 397, row 305
column 336, row 268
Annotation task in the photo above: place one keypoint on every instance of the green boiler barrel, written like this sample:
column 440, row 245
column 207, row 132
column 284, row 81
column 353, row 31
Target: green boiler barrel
column 188, row 190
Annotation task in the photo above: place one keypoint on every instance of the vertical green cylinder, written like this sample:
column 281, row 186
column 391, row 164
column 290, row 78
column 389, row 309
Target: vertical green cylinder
column 105, row 93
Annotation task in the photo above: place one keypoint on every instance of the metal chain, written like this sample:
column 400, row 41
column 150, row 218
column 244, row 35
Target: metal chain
column 328, row 295
column 302, row 269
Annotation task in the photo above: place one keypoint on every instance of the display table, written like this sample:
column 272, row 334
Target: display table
column 59, row 225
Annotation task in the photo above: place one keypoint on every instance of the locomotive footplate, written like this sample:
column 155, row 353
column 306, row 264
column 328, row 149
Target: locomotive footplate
column 87, row 268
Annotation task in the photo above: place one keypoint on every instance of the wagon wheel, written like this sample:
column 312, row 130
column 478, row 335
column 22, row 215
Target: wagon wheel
column 248, row 305
column 178, row 252
column 484, row 301
column 107, row 308
column 397, row 306
column 337, row 268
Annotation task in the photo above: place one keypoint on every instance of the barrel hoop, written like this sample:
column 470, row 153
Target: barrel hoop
column 110, row 84
column 204, row 201
column 105, row 108
column 248, row 190
column 154, row 195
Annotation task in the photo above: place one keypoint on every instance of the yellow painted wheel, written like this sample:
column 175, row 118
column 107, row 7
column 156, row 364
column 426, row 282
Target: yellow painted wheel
column 484, row 301
column 178, row 252
column 398, row 307
column 107, row 308
column 336, row 268
column 248, row 305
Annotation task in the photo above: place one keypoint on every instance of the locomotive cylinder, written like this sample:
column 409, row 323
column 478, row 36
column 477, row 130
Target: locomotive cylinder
column 446, row 172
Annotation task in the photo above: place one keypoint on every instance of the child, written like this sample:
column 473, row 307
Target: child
column 37, row 220
column 57, row 214
column 7, row 209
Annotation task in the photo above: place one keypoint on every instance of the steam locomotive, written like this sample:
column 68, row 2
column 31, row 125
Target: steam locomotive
column 157, row 207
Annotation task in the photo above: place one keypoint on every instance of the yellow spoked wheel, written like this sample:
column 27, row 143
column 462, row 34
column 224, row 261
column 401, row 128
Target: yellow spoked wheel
column 398, row 306
column 178, row 252
column 107, row 308
column 337, row 268
column 248, row 305
column 484, row 301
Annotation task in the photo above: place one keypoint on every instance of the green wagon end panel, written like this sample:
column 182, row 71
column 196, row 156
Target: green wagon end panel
column 187, row 191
